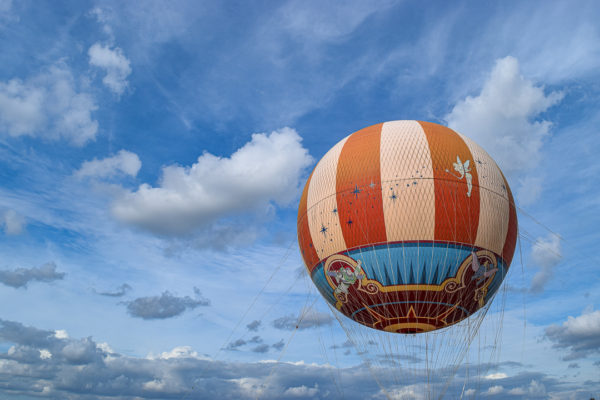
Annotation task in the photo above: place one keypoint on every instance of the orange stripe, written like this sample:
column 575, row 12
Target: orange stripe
column 456, row 213
column 511, row 236
column 358, row 188
column 304, row 238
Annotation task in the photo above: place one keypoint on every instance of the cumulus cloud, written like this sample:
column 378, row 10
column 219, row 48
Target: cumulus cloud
column 496, row 389
column 255, row 339
column 124, row 162
column 13, row 223
column 546, row 253
column 265, row 170
column 115, row 65
column 164, row 306
column 309, row 320
column 80, row 369
column 119, row 292
column 534, row 389
column 48, row 105
column 302, row 391
column 242, row 342
column 45, row 354
column 44, row 345
column 21, row 277
column 61, row 334
column 179, row 352
column 580, row 335
column 80, row 352
column 236, row 344
column 261, row 348
column 279, row 345
column 254, row 325
column 504, row 117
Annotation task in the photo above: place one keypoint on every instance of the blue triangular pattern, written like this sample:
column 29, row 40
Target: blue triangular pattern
column 434, row 277
column 423, row 274
column 411, row 262
column 411, row 275
column 387, row 280
column 399, row 274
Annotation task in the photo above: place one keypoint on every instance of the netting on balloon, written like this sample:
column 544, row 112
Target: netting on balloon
column 422, row 365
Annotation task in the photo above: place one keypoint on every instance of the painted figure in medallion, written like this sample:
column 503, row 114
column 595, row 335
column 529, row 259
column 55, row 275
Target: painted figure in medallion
column 482, row 271
column 346, row 277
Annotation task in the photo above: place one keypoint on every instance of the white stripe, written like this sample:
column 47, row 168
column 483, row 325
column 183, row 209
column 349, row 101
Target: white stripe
column 407, row 182
column 493, row 200
column 323, row 218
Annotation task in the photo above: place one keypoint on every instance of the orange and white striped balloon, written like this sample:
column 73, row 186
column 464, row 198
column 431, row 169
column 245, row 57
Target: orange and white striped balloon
column 407, row 226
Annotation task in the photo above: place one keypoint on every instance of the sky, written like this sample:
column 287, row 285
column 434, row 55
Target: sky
column 152, row 157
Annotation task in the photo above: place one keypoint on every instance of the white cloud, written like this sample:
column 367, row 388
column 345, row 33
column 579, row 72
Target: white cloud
column 49, row 106
column 502, row 118
column 534, row 388
column 302, row 391
column 61, row 334
column 105, row 348
column 177, row 352
column 581, row 335
column 154, row 385
column 45, row 354
column 555, row 53
column 13, row 223
column 80, row 369
column 326, row 21
column 518, row 391
column 114, row 63
column 124, row 162
column 102, row 16
column 497, row 389
column 409, row 392
column 499, row 375
column 546, row 253
column 267, row 169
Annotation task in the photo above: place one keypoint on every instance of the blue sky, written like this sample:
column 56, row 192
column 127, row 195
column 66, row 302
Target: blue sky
column 152, row 157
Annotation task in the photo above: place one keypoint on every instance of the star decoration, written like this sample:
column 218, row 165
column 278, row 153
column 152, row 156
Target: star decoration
column 323, row 229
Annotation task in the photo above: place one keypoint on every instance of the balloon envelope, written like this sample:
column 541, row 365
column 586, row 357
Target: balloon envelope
column 407, row 226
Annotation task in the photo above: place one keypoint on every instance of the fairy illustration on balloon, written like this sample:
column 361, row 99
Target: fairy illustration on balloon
column 464, row 170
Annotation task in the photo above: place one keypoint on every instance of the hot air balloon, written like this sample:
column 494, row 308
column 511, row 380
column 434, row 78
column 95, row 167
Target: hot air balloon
column 408, row 227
